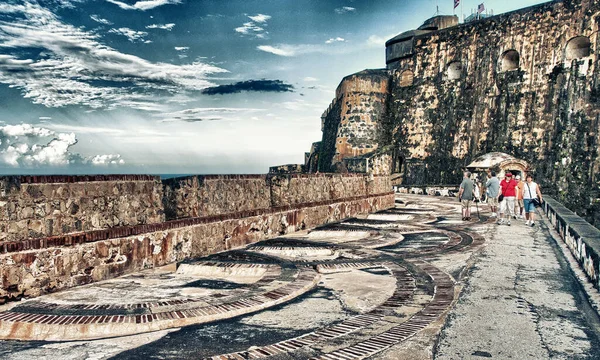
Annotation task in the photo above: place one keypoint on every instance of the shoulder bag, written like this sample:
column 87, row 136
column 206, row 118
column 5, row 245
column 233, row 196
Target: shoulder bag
column 535, row 201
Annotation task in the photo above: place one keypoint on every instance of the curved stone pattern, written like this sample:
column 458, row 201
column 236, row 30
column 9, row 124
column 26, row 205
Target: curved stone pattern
column 444, row 295
column 405, row 285
column 53, row 322
column 414, row 250
column 400, row 245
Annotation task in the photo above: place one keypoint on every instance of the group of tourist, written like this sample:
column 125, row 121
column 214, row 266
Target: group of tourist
column 508, row 199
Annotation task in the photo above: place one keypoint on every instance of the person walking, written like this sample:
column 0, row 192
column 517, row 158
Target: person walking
column 465, row 195
column 532, row 196
column 519, row 206
column 492, row 189
column 508, row 188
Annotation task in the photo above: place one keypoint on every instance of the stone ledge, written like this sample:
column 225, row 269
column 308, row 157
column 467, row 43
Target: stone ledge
column 126, row 231
column 53, row 179
column 581, row 237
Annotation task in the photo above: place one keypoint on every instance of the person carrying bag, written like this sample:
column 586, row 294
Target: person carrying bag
column 532, row 197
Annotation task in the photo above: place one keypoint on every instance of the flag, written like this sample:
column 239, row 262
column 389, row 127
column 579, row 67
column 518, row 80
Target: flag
column 480, row 8
column 456, row 3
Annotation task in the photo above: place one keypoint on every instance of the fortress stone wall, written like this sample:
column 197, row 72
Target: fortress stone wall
column 161, row 222
column 41, row 206
column 523, row 83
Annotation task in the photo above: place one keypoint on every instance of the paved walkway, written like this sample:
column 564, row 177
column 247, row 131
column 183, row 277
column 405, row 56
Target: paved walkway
column 521, row 302
column 414, row 282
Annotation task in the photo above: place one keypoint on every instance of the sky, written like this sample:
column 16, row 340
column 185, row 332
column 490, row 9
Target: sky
column 184, row 86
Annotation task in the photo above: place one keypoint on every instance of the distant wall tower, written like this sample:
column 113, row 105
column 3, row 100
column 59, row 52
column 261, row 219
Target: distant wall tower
column 352, row 124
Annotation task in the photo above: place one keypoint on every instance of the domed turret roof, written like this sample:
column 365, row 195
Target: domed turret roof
column 406, row 35
column 494, row 159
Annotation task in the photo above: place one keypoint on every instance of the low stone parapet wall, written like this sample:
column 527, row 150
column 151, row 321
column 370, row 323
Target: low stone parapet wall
column 433, row 190
column 41, row 206
column 36, row 266
column 581, row 237
column 206, row 195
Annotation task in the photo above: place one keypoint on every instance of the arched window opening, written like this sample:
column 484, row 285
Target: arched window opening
column 577, row 48
column 454, row 70
column 510, row 61
column 406, row 78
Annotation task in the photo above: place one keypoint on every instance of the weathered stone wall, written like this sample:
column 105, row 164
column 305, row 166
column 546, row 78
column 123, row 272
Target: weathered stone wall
column 354, row 119
column 297, row 189
column 206, row 195
column 34, row 207
column 288, row 169
column 543, row 111
column 523, row 83
column 222, row 194
column 378, row 184
column 31, row 268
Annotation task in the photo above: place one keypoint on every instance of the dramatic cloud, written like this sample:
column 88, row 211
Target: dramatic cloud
column 131, row 35
column 250, row 85
column 143, row 5
column 206, row 114
column 167, row 27
column 333, row 40
column 100, row 20
column 26, row 145
column 24, row 130
column 252, row 28
column 74, row 68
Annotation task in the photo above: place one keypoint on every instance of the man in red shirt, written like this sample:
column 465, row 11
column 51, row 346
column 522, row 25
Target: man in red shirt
column 508, row 188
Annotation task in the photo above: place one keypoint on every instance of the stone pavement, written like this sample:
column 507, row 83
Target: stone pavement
column 414, row 282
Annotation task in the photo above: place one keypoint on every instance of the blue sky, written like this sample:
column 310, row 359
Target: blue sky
column 183, row 86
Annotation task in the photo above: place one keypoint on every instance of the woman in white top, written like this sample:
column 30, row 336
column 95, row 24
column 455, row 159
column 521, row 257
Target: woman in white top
column 531, row 193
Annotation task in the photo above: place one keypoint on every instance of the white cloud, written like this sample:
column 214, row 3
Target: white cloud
column 378, row 41
column 310, row 79
column 206, row 114
column 100, row 20
column 167, row 27
column 333, row 40
column 260, row 18
column 344, row 10
column 182, row 51
column 111, row 159
column 74, row 68
column 294, row 50
column 144, row 4
column 24, row 130
column 278, row 50
column 252, row 28
column 31, row 146
column 130, row 34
